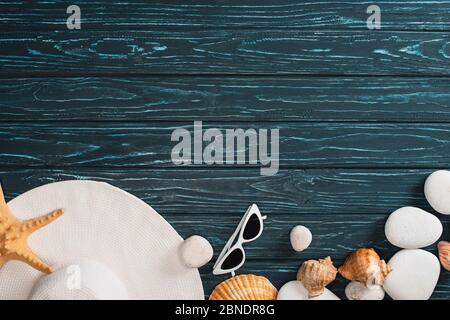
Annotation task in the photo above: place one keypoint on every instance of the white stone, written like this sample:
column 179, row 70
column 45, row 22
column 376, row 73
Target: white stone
column 414, row 275
column 301, row 238
column 294, row 290
column 437, row 191
column 412, row 228
column 358, row 291
column 196, row 251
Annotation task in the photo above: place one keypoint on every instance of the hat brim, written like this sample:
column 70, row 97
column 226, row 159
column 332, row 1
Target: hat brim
column 107, row 225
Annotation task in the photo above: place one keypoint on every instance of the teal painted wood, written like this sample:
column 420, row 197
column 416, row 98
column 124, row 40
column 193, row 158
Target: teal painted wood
column 179, row 14
column 296, row 193
column 226, row 99
column 350, row 127
column 228, row 52
column 302, row 145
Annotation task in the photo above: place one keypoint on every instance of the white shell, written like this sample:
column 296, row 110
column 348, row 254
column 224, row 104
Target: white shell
column 412, row 228
column 301, row 238
column 196, row 251
column 437, row 191
column 414, row 275
column 358, row 291
column 294, row 290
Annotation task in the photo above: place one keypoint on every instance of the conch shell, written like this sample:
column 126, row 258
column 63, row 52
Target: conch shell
column 444, row 254
column 315, row 275
column 365, row 265
column 245, row 287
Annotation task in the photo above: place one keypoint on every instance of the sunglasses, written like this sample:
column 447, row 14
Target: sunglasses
column 249, row 229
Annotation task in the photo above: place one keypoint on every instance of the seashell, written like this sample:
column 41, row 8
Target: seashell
column 315, row 275
column 245, row 287
column 444, row 254
column 365, row 265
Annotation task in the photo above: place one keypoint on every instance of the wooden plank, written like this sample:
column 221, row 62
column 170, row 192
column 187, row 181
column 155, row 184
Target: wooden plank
column 280, row 272
column 224, row 52
column 231, row 191
column 302, row 145
column 226, row 99
column 179, row 14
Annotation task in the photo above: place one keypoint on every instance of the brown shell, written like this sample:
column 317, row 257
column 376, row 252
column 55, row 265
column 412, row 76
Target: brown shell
column 245, row 287
column 365, row 265
column 444, row 254
column 315, row 275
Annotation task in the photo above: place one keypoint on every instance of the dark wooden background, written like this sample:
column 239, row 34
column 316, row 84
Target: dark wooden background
column 364, row 116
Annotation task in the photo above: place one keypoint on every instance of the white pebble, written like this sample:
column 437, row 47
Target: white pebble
column 437, row 191
column 412, row 228
column 358, row 291
column 196, row 251
column 414, row 275
column 301, row 238
column 294, row 290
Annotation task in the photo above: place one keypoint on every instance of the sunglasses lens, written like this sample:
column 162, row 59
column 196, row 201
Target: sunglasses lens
column 252, row 228
column 233, row 260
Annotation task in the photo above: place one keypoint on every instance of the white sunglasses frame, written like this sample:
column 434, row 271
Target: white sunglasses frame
column 239, row 232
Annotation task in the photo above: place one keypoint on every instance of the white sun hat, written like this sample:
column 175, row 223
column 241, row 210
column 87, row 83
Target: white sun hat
column 107, row 245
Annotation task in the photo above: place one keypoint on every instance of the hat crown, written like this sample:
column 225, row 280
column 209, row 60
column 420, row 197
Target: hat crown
column 80, row 280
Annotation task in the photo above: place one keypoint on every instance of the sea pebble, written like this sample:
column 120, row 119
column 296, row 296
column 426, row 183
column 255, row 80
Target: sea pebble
column 196, row 251
column 412, row 228
column 294, row 290
column 437, row 191
column 358, row 291
column 301, row 238
column 415, row 273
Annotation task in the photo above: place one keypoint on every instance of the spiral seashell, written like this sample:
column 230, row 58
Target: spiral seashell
column 245, row 287
column 315, row 275
column 365, row 265
column 444, row 254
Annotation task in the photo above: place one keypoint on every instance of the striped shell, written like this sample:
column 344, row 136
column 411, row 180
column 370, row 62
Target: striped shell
column 245, row 287
column 315, row 275
column 444, row 254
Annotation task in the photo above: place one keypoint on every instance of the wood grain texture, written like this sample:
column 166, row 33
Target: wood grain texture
column 299, row 193
column 226, row 99
column 302, row 145
column 269, row 14
column 224, row 52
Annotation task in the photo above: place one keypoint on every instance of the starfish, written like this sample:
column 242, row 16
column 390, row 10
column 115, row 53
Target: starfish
column 14, row 233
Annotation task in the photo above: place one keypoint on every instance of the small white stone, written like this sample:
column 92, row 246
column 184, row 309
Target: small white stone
column 412, row 228
column 196, row 251
column 301, row 238
column 358, row 291
column 294, row 290
column 437, row 191
column 414, row 275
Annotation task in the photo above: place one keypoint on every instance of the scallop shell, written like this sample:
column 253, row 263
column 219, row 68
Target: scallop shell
column 245, row 287
column 315, row 275
column 365, row 265
column 444, row 254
